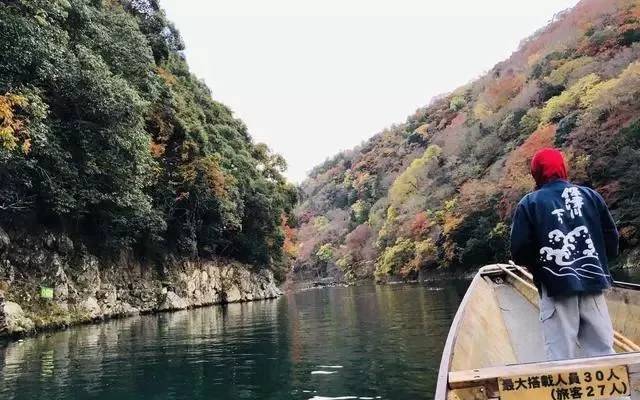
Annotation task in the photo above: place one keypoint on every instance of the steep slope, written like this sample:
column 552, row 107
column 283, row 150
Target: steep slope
column 110, row 148
column 438, row 191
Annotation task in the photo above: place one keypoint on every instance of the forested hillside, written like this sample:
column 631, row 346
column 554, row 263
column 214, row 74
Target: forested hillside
column 105, row 136
column 438, row 191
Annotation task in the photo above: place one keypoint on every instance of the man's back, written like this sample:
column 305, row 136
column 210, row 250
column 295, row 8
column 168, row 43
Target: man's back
column 565, row 234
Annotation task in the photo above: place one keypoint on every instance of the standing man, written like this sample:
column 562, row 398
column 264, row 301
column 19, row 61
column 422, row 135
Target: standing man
column 565, row 235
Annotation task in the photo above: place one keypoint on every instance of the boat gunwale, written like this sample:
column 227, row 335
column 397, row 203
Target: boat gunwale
column 442, row 384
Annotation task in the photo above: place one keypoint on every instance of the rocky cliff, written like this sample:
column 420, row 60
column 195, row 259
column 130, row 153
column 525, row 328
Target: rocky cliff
column 87, row 288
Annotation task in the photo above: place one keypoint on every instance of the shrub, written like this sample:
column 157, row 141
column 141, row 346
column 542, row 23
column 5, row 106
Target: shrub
column 457, row 103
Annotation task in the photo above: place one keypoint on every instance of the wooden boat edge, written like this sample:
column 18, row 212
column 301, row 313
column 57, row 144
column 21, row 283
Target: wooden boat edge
column 466, row 380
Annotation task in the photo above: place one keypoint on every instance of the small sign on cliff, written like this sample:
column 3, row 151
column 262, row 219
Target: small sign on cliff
column 46, row 293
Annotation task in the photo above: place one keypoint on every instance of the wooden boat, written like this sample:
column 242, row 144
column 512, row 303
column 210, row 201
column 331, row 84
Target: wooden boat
column 495, row 346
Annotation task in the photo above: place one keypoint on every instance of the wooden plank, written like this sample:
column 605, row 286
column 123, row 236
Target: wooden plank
column 523, row 271
column 477, row 376
column 626, row 341
column 513, row 275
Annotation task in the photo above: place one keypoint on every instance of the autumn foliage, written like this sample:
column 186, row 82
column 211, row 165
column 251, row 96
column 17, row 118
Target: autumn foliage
column 438, row 190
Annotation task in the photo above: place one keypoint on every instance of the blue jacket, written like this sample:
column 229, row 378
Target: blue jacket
column 565, row 235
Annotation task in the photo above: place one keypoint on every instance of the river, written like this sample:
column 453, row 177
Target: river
column 367, row 342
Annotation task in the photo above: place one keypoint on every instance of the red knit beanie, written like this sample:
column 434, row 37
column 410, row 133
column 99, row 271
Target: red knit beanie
column 548, row 165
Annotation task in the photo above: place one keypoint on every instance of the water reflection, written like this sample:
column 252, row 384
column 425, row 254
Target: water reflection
column 367, row 342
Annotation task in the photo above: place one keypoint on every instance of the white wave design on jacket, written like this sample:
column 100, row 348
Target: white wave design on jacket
column 565, row 258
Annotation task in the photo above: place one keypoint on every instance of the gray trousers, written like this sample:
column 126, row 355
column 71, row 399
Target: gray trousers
column 575, row 326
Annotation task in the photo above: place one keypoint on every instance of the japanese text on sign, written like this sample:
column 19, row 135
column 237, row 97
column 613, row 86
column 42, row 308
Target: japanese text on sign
column 580, row 384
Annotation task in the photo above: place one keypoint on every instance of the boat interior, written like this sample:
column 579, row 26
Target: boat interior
column 497, row 333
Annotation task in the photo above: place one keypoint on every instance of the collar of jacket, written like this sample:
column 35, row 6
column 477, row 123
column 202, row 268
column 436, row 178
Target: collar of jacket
column 554, row 182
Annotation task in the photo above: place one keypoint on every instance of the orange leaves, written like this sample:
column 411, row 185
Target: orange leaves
column 206, row 169
column 457, row 121
column 289, row 246
column 215, row 176
column 518, row 162
column 26, row 146
column 157, row 149
column 503, row 90
column 158, row 124
column 12, row 126
column 533, row 58
column 420, row 225
column 516, row 180
column 167, row 76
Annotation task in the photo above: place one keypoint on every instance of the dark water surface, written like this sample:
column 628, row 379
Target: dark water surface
column 627, row 275
column 365, row 342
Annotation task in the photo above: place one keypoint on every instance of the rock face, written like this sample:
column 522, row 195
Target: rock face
column 3, row 319
column 91, row 306
column 16, row 321
column 4, row 240
column 173, row 302
column 86, row 289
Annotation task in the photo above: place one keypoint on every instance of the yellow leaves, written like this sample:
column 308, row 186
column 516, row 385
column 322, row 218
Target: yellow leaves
column 501, row 230
column 451, row 223
column 587, row 92
column 12, row 127
column 325, row 252
column 392, row 213
column 482, row 111
column 422, row 130
column 559, row 76
column 321, row 223
column 581, row 93
column 447, row 216
column 7, row 138
column 411, row 180
column 593, row 92
column 395, row 257
column 358, row 209
column 26, row 146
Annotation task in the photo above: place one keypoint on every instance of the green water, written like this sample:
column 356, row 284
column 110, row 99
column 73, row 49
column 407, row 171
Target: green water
column 362, row 342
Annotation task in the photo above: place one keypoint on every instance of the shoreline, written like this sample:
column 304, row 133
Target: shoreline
column 91, row 293
column 12, row 337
